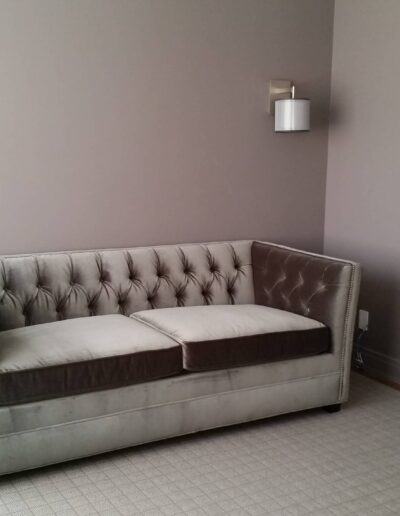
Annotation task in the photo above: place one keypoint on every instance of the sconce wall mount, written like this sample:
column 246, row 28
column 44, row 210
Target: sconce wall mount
column 278, row 89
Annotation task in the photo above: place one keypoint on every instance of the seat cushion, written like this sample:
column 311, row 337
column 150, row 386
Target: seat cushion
column 221, row 336
column 80, row 355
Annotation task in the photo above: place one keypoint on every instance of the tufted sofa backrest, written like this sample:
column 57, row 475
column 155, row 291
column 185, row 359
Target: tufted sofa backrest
column 43, row 288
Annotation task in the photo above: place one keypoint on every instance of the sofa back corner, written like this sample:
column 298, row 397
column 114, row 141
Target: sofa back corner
column 312, row 285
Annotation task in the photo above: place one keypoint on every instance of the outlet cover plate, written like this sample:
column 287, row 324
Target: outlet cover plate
column 363, row 320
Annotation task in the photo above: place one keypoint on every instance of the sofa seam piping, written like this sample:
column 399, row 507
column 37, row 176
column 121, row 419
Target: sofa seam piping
column 346, row 331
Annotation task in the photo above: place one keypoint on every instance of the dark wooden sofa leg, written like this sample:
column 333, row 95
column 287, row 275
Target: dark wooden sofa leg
column 333, row 408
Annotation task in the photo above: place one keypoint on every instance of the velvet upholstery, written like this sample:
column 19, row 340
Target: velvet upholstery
column 38, row 289
column 323, row 288
column 43, row 288
column 312, row 286
column 172, row 389
column 82, row 355
column 78, row 434
column 223, row 336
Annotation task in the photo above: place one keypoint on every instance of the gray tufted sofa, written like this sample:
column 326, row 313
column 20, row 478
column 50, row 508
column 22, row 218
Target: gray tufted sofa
column 185, row 338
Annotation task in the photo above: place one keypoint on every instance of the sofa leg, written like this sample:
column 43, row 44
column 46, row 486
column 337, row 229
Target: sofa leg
column 333, row 408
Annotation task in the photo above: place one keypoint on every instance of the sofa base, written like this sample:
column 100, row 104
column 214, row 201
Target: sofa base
column 331, row 409
column 85, row 437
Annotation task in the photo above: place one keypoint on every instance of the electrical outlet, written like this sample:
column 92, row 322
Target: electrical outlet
column 363, row 320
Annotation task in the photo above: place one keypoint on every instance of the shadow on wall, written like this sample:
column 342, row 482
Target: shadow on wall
column 380, row 296
column 339, row 108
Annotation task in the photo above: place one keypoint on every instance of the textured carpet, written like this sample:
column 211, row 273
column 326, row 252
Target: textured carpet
column 310, row 463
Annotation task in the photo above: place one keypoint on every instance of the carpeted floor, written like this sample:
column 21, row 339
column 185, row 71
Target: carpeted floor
column 311, row 463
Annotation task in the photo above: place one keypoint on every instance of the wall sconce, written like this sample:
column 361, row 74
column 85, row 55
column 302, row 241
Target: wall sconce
column 291, row 114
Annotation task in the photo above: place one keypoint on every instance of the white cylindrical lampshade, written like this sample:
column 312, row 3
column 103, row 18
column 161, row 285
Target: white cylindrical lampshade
column 292, row 115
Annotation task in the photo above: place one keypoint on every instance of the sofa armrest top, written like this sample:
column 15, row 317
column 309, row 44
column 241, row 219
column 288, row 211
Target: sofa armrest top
column 315, row 286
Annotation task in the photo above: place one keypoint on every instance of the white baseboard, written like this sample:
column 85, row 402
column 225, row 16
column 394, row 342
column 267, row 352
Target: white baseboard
column 381, row 365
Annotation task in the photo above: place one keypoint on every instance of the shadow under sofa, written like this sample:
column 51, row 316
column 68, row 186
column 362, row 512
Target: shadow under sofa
column 101, row 350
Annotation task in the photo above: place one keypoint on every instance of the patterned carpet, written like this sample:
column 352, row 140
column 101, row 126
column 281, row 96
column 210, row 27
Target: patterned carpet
column 311, row 463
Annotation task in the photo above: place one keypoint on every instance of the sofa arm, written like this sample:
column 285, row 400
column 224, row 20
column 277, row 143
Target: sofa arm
column 319, row 287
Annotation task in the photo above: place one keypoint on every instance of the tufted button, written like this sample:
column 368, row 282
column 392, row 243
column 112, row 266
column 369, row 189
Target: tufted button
column 128, row 278
column 133, row 277
column 236, row 263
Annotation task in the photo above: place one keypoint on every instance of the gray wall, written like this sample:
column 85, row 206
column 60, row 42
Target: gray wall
column 363, row 186
column 144, row 121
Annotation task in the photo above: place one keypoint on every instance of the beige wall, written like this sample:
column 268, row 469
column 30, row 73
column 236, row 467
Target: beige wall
column 143, row 121
column 362, row 205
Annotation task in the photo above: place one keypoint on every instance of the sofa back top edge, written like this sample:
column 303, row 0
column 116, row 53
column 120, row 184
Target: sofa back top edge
column 186, row 244
column 308, row 253
column 110, row 249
